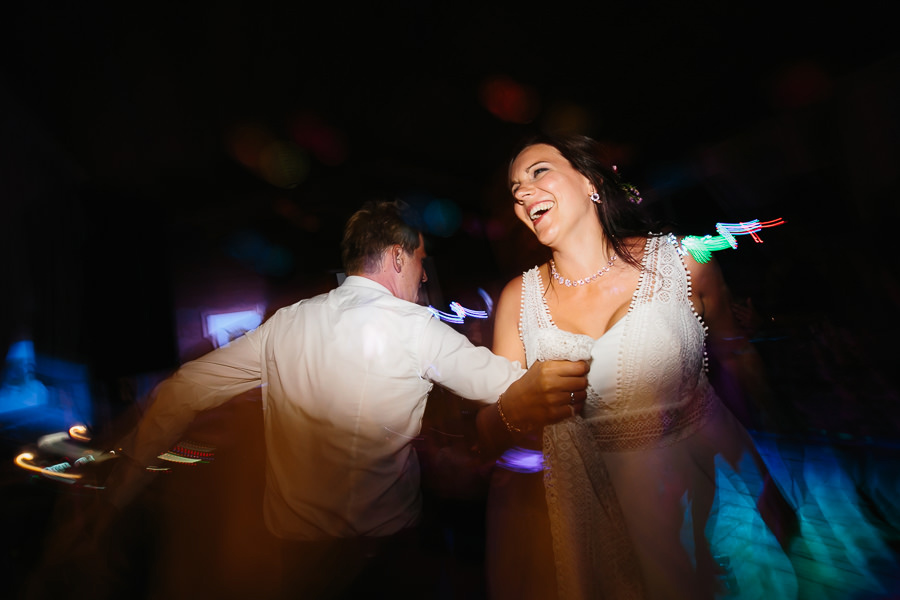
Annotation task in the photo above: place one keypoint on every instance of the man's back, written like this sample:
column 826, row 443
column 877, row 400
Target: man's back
column 345, row 379
column 343, row 396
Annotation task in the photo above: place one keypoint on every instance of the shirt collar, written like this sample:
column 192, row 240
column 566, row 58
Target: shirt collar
column 365, row 282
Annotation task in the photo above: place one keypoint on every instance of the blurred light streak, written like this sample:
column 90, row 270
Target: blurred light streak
column 522, row 460
column 701, row 248
column 170, row 457
column 459, row 313
column 750, row 228
column 55, row 472
column 488, row 301
column 194, row 450
column 188, row 453
column 79, row 432
column 223, row 327
column 60, row 444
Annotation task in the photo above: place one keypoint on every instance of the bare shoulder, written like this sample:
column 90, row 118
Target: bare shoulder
column 509, row 299
column 512, row 288
column 711, row 296
column 506, row 323
column 705, row 276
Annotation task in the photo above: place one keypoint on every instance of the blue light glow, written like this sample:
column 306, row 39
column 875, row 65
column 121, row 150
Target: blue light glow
column 459, row 313
column 221, row 328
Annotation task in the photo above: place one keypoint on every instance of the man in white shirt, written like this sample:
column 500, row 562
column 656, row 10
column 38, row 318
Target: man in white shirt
column 345, row 377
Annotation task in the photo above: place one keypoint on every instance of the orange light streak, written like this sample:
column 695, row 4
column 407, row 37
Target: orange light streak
column 79, row 432
column 24, row 461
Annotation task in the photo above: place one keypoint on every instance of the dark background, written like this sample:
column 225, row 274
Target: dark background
column 159, row 158
column 133, row 141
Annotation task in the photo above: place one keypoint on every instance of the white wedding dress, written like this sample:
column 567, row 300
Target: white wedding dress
column 631, row 485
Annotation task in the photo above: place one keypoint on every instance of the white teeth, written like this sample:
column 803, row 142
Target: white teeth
column 538, row 208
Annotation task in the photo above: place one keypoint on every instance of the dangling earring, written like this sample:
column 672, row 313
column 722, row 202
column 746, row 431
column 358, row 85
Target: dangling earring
column 595, row 197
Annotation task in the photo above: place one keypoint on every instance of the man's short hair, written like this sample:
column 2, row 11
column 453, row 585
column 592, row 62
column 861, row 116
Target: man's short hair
column 373, row 228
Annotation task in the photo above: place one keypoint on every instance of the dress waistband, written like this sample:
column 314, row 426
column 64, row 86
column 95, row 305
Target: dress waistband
column 654, row 428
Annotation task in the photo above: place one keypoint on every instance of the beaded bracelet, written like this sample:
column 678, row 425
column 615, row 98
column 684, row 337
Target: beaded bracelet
column 509, row 426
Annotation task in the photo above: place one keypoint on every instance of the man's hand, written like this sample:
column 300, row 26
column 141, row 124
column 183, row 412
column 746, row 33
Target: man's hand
column 550, row 391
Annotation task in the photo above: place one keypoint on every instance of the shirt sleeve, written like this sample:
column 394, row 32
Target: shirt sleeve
column 198, row 385
column 473, row 372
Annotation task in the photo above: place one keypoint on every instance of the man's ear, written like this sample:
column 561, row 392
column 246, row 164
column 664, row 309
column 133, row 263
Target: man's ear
column 397, row 257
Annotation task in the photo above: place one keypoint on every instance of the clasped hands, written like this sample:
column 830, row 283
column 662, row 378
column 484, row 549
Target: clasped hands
column 548, row 392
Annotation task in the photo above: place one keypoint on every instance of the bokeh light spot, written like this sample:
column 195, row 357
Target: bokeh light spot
column 254, row 250
column 246, row 143
column 509, row 100
column 283, row 165
column 442, row 217
column 326, row 144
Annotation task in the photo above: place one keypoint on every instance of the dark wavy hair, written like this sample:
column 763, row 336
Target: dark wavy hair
column 373, row 228
column 619, row 216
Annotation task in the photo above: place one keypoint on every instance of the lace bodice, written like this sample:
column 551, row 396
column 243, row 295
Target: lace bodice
column 655, row 353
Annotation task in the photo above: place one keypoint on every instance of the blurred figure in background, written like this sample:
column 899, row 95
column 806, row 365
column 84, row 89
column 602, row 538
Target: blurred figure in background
column 617, row 502
column 345, row 377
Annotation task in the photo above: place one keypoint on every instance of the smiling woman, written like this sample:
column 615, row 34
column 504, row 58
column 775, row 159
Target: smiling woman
column 620, row 500
column 541, row 178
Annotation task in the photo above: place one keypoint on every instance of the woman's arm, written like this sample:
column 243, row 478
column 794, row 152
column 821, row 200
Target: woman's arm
column 741, row 382
column 538, row 398
column 506, row 323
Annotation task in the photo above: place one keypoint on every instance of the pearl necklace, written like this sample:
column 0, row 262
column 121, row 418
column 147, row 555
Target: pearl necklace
column 570, row 283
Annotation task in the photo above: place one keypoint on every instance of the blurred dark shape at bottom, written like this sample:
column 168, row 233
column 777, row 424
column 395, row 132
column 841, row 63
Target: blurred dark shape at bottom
column 198, row 532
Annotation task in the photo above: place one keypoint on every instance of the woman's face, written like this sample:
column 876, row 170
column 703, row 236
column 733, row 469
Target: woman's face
column 551, row 196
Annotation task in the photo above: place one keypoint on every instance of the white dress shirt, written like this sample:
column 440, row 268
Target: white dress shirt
column 345, row 376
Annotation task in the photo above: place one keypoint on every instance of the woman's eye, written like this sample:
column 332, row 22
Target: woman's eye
column 537, row 172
